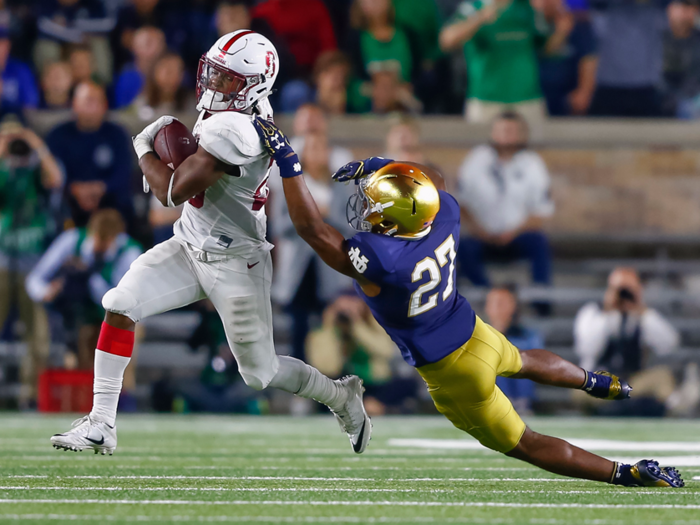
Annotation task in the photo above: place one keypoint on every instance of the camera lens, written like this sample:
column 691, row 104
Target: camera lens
column 19, row 148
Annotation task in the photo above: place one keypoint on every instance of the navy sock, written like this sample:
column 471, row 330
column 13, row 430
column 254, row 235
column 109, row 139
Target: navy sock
column 597, row 385
column 623, row 476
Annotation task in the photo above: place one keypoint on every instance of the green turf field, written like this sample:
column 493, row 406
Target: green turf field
column 181, row 469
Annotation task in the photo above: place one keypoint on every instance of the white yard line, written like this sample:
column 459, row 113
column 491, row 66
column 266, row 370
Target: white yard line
column 227, row 489
column 487, row 504
column 296, row 478
column 319, row 519
column 608, row 492
column 588, row 444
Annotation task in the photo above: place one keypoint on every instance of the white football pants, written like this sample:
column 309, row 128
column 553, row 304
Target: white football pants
column 171, row 275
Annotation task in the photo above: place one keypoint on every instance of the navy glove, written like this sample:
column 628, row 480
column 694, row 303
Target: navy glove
column 359, row 169
column 277, row 146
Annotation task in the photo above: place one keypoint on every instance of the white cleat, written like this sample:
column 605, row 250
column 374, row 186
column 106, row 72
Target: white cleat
column 87, row 434
column 353, row 418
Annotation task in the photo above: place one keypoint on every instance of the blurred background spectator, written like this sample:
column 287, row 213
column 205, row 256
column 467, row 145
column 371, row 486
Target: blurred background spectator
column 28, row 176
column 96, row 157
column 350, row 341
column 403, row 141
column 65, row 22
column 311, row 119
column 617, row 338
column 504, row 196
column 147, row 47
column 304, row 26
column 56, row 86
column 18, row 90
column 82, row 63
column 164, row 92
column 79, row 267
column 331, row 77
column 382, row 54
column 302, row 283
column 682, row 60
column 630, row 47
column 568, row 74
column 503, row 313
column 500, row 41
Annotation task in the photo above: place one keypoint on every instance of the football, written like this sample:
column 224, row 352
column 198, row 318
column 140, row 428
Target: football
column 174, row 143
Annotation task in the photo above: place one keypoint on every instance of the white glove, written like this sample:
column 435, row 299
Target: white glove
column 143, row 142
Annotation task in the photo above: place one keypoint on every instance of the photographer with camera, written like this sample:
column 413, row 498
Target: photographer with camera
column 79, row 267
column 28, row 175
column 619, row 336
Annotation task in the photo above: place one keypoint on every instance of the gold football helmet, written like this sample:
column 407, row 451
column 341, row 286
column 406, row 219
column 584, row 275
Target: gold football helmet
column 397, row 200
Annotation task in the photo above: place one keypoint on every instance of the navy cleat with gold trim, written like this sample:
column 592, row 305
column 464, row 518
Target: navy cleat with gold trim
column 604, row 385
column 646, row 473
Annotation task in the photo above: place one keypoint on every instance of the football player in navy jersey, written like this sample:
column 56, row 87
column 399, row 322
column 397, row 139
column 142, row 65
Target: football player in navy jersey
column 403, row 263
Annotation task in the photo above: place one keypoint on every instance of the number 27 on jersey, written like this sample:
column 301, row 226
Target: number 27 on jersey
column 445, row 253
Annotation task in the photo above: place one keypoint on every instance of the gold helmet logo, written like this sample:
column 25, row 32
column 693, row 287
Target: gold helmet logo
column 397, row 200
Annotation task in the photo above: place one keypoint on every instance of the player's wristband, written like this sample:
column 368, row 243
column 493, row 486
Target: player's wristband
column 289, row 166
column 141, row 145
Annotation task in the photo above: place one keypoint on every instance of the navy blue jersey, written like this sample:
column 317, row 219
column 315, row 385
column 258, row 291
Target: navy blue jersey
column 418, row 306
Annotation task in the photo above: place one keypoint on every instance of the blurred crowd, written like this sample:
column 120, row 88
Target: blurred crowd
column 73, row 218
column 633, row 58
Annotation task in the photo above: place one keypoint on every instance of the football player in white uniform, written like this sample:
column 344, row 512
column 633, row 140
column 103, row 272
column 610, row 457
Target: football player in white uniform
column 219, row 249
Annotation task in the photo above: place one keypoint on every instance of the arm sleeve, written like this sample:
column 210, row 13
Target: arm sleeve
column 540, row 201
column 364, row 258
column 657, row 333
column 590, row 335
column 59, row 252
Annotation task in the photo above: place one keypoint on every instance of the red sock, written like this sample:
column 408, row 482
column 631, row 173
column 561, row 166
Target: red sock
column 116, row 341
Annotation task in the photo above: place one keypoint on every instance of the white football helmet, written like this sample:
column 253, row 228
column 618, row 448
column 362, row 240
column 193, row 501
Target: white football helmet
column 238, row 70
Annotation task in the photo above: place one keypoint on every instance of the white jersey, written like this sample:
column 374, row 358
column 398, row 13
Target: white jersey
column 229, row 217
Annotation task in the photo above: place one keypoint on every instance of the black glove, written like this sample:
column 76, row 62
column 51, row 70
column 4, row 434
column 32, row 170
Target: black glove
column 359, row 169
column 278, row 147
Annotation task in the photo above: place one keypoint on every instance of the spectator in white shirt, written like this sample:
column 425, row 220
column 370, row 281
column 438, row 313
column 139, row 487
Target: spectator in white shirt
column 618, row 336
column 504, row 196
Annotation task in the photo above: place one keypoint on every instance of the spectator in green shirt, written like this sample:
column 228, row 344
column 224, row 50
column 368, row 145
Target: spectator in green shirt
column 28, row 175
column 382, row 57
column 380, row 45
column 500, row 40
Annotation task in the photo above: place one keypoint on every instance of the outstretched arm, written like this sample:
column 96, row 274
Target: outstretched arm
column 322, row 237
column 328, row 242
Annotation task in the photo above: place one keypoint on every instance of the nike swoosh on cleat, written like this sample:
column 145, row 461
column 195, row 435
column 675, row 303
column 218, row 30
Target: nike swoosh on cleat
column 251, row 265
column 100, row 442
column 356, row 446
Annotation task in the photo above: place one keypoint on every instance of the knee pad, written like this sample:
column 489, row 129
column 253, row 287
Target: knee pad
column 120, row 302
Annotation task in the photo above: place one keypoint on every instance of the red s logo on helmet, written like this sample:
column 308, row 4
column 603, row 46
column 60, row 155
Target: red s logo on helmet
column 271, row 63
